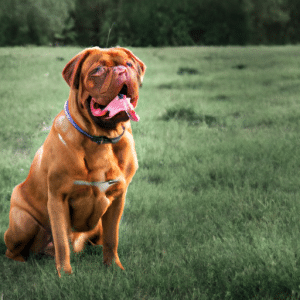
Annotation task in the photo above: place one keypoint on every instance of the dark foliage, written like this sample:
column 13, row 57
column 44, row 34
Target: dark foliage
column 149, row 23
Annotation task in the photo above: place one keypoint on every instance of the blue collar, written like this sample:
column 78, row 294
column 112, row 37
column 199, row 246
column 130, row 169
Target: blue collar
column 96, row 139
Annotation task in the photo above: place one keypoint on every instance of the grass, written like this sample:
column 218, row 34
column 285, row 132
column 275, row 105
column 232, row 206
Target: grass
column 213, row 211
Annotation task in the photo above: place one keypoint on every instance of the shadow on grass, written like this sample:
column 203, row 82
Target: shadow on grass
column 240, row 67
column 188, row 115
column 181, row 86
column 188, row 71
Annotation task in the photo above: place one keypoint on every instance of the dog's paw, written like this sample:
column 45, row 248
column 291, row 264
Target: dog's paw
column 17, row 257
column 107, row 261
column 119, row 264
column 49, row 250
column 67, row 270
column 78, row 241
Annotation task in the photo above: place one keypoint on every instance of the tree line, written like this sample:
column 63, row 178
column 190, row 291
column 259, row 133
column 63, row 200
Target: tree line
column 143, row 23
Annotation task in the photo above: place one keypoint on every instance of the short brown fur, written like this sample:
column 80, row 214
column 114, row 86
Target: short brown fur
column 48, row 209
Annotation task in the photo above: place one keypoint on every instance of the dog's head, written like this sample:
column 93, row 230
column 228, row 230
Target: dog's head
column 106, row 82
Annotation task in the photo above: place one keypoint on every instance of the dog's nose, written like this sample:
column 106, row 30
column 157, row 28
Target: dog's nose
column 119, row 70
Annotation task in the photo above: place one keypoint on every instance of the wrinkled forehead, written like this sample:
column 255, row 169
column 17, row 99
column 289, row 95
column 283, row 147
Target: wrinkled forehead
column 106, row 57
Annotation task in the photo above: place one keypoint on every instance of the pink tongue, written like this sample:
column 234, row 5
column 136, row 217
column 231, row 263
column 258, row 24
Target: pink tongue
column 115, row 106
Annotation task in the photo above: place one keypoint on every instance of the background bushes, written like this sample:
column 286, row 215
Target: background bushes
column 149, row 23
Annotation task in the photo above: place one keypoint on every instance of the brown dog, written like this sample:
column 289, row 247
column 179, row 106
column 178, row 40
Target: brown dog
column 78, row 179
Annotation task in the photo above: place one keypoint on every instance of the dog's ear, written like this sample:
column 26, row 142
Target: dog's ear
column 141, row 69
column 71, row 72
column 140, row 65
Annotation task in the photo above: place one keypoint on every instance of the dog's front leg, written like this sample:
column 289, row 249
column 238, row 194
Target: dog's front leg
column 110, row 223
column 58, row 209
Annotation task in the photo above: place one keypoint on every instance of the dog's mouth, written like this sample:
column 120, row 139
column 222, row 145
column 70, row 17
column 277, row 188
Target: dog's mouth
column 122, row 102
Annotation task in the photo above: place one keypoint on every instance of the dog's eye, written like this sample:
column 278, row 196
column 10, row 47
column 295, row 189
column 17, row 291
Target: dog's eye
column 129, row 64
column 98, row 71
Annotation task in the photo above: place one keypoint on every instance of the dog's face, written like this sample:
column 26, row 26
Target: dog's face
column 106, row 76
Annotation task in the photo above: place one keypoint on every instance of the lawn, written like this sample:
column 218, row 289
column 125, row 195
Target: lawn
column 213, row 211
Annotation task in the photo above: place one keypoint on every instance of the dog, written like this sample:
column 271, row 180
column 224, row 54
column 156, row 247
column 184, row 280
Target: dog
column 76, row 187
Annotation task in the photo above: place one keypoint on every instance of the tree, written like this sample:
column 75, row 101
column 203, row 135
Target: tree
column 268, row 21
column 32, row 21
column 219, row 22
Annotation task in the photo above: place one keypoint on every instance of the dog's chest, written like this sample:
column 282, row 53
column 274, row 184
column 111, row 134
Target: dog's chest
column 92, row 194
column 99, row 176
column 98, row 173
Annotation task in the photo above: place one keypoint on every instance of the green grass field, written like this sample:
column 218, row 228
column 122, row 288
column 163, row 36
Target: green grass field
column 213, row 211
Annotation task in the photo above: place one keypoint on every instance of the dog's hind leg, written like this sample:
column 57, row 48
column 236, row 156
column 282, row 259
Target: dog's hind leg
column 24, row 234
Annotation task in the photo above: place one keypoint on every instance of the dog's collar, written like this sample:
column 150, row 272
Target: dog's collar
column 96, row 139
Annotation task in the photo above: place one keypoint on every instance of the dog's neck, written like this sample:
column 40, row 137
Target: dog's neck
column 99, row 139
